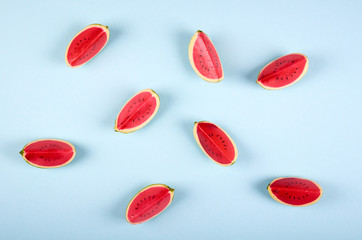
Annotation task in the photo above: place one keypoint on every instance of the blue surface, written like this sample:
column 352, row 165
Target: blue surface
column 311, row 129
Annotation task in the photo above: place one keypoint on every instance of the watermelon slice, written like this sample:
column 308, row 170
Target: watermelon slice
column 138, row 111
column 86, row 45
column 283, row 71
column 48, row 153
column 215, row 143
column 204, row 58
column 148, row 203
column 296, row 192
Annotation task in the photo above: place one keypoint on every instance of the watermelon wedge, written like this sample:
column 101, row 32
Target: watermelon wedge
column 138, row 111
column 148, row 203
column 86, row 45
column 215, row 143
column 48, row 153
column 283, row 72
column 295, row 192
column 204, row 58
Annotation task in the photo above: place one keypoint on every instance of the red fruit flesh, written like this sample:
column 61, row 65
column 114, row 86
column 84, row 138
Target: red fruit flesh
column 86, row 44
column 48, row 153
column 283, row 71
column 204, row 58
column 295, row 191
column 138, row 111
column 215, row 142
column 148, row 203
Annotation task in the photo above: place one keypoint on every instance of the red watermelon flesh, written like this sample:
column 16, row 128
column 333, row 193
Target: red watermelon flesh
column 283, row 71
column 48, row 153
column 148, row 203
column 138, row 111
column 295, row 191
column 86, row 44
column 204, row 58
column 215, row 143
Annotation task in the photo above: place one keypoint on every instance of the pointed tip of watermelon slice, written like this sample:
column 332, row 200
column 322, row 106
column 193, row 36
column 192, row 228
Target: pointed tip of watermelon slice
column 265, row 87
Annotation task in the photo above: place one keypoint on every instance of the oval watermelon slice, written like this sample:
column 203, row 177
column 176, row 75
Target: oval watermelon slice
column 283, row 71
column 138, row 111
column 86, row 45
column 148, row 203
column 204, row 58
column 215, row 143
column 48, row 153
column 295, row 192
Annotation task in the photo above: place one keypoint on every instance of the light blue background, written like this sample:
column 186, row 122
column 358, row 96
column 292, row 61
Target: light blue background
column 311, row 129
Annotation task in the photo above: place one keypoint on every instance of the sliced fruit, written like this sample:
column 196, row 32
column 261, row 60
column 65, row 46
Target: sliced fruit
column 295, row 192
column 204, row 58
column 86, row 45
column 148, row 203
column 48, row 153
column 283, row 71
column 138, row 111
column 215, row 143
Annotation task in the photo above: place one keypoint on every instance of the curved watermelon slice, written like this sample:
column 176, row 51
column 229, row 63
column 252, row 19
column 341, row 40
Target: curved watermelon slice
column 283, row 71
column 86, row 45
column 296, row 192
column 204, row 58
column 215, row 143
column 148, row 203
column 48, row 153
column 138, row 111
